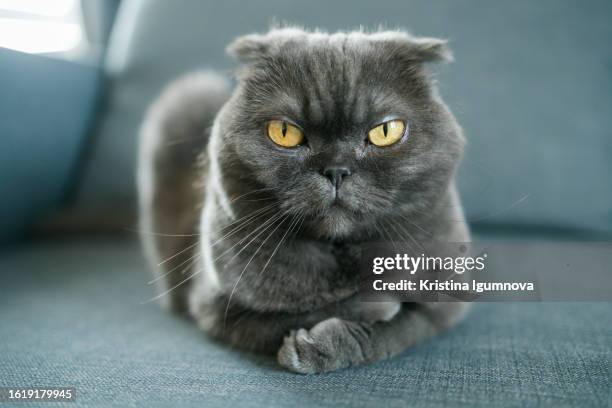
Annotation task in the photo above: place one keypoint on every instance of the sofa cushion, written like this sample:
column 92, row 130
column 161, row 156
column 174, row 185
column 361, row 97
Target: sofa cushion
column 72, row 314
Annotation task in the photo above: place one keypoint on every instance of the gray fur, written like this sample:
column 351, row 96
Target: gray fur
column 273, row 267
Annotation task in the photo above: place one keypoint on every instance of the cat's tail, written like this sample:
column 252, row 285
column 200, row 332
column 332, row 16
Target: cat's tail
column 173, row 137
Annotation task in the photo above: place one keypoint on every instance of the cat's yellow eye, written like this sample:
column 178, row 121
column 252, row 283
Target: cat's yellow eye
column 285, row 134
column 387, row 133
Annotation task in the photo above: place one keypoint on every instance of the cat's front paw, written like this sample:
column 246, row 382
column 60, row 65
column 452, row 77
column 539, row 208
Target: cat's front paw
column 330, row 345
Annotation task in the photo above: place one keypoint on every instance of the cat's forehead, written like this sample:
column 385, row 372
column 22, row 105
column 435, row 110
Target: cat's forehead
column 334, row 79
column 328, row 81
column 332, row 51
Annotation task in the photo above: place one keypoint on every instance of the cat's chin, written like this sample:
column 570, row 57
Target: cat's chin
column 335, row 223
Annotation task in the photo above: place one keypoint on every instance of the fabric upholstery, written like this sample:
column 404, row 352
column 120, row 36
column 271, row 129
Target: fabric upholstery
column 530, row 85
column 72, row 314
column 45, row 109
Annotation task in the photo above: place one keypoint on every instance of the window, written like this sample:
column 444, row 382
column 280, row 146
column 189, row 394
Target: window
column 42, row 27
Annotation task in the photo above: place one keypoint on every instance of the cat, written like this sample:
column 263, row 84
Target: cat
column 255, row 202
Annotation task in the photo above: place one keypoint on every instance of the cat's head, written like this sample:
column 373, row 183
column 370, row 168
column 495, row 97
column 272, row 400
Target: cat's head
column 343, row 128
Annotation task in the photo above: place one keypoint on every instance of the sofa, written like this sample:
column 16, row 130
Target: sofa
column 530, row 85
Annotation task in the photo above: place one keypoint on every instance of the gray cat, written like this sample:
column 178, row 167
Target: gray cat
column 255, row 203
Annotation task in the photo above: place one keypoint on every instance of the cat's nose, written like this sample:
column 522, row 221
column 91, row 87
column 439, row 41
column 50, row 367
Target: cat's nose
column 336, row 174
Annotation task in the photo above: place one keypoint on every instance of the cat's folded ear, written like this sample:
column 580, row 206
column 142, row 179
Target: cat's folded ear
column 248, row 48
column 418, row 49
column 251, row 47
column 432, row 49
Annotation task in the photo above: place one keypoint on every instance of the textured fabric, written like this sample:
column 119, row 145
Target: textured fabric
column 45, row 110
column 72, row 314
column 530, row 85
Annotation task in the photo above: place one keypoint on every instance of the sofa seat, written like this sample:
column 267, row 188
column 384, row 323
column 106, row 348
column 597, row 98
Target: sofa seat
column 73, row 312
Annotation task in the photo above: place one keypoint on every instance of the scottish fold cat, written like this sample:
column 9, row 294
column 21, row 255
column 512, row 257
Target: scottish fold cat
column 255, row 201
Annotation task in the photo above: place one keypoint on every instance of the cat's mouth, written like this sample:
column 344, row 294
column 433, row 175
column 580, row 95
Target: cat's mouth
column 341, row 202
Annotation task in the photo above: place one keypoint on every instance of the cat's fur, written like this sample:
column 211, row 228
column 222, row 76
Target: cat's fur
column 265, row 258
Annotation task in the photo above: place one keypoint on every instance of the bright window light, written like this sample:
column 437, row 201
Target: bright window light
column 51, row 8
column 41, row 26
column 34, row 36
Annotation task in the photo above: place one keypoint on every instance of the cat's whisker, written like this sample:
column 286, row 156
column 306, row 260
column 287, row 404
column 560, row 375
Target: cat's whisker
column 194, row 256
column 166, row 292
column 234, row 199
column 270, row 224
column 259, row 210
column 197, row 254
column 398, row 237
column 179, row 252
column 191, row 264
column 415, row 224
column 399, row 225
column 272, row 219
column 284, row 217
column 297, row 231
column 241, row 226
column 389, row 237
column 235, row 221
column 402, row 227
column 381, row 232
column 289, row 229
column 495, row 214
column 159, row 234
column 254, row 200
column 378, row 231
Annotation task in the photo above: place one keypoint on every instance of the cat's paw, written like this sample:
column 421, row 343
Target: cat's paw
column 328, row 346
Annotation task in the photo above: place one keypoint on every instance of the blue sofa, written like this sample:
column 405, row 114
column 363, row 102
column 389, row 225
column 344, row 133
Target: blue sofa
column 531, row 86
